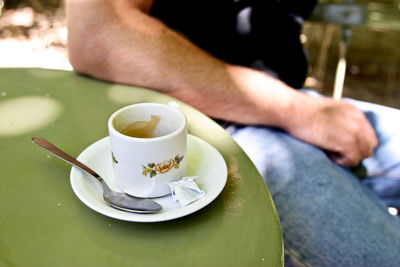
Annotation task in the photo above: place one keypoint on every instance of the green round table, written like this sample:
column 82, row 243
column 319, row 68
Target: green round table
column 43, row 223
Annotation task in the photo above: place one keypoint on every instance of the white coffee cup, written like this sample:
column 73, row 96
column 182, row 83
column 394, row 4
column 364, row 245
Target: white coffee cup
column 144, row 166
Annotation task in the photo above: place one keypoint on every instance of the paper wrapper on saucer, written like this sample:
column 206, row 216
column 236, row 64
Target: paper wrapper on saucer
column 186, row 190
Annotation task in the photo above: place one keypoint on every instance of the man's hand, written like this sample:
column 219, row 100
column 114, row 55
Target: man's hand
column 339, row 128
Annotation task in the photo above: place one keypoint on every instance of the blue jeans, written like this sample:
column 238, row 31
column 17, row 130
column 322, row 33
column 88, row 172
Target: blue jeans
column 329, row 216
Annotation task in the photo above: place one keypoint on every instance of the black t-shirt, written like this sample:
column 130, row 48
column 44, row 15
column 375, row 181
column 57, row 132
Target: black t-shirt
column 262, row 34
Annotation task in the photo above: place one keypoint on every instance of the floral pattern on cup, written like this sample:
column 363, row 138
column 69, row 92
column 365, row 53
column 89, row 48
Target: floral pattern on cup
column 153, row 169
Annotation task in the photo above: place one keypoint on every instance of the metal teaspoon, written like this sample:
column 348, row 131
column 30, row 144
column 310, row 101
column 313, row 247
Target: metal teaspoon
column 115, row 199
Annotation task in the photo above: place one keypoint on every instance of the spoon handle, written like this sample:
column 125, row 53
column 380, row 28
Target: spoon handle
column 43, row 143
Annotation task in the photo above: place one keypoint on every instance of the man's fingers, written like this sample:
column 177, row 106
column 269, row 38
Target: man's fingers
column 367, row 141
column 345, row 159
column 362, row 148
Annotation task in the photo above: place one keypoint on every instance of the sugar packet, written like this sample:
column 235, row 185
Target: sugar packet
column 186, row 190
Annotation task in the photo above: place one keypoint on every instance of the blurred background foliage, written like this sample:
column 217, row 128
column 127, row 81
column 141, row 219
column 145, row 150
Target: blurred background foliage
column 38, row 5
column 373, row 54
column 33, row 34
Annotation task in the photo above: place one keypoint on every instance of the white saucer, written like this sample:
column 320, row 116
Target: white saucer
column 203, row 160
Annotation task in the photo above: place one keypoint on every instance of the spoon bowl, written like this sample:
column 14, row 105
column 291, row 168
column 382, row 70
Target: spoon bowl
column 115, row 199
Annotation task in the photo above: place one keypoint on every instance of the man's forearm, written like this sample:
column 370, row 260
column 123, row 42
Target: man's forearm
column 134, row 48
column 118, row 41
